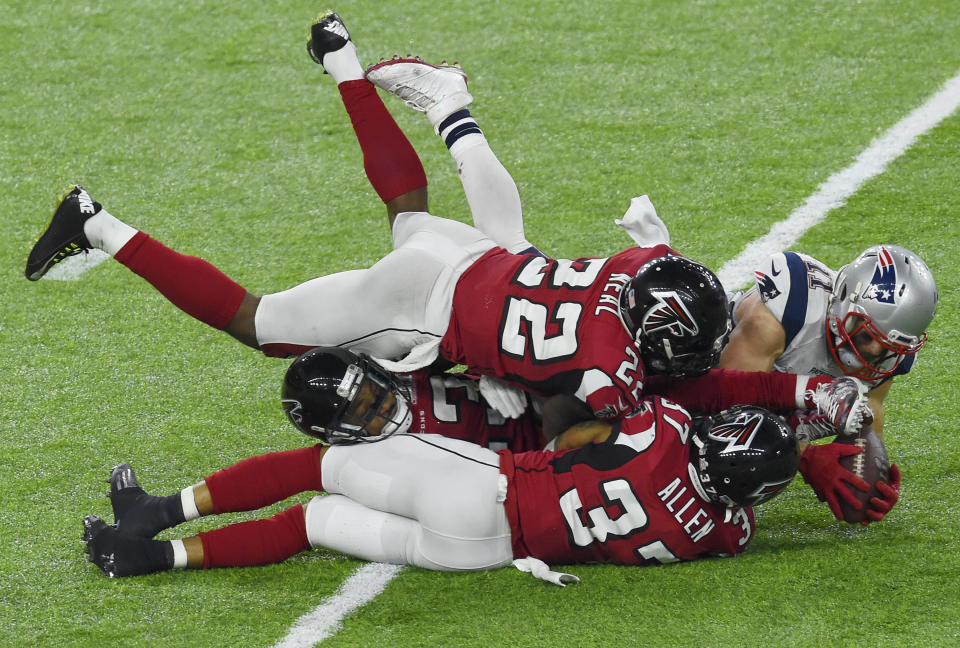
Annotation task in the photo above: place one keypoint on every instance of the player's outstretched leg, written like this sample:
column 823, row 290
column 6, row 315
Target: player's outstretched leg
column 440, row 92
column 193, row 285
column 257, row 542
column 391, row 164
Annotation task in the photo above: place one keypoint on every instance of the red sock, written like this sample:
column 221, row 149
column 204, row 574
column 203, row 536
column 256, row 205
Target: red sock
column 392, row 166
column 265, row 479
column 193, row 285
column 259, row 542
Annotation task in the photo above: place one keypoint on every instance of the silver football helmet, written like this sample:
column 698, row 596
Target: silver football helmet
column 881, row 307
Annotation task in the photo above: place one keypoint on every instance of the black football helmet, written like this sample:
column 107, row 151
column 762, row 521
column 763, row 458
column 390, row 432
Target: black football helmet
column 677, row 312
column 341, row 397
column 744, row 456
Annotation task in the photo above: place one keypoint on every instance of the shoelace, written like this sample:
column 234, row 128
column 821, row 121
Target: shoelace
column 829, row 403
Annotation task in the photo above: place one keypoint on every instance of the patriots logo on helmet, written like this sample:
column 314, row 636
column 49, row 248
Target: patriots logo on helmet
column 883, row 286
column 739, row 434
column 669, row 313
column 768, row 289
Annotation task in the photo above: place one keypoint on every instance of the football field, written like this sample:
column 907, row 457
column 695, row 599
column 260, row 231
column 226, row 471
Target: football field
column 206, row 125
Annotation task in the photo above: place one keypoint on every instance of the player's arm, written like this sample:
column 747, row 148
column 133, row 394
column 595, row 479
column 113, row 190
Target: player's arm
column 756, row 341
column 583, row 433
column 875, row 398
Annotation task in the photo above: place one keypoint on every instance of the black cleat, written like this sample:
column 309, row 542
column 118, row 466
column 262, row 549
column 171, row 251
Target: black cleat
column 137, row 513
column 64, row 235
column 118, row 554
column 328, row 34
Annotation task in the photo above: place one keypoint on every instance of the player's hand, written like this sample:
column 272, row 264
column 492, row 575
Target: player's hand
column 820, row 467
column 890, row 491
column 506, row 399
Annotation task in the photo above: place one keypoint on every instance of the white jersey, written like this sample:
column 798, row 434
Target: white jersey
column 796, row 288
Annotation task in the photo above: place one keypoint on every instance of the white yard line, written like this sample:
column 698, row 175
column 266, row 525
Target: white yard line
column 72, row 268
column 840, row 186
column 324, row 621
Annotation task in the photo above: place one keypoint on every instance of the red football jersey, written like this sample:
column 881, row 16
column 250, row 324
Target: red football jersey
column 451, row 405
column 551, row 325
column 629, row 500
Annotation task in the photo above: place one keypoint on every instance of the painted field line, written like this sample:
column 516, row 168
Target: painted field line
column 72, row 268
column 840, row 186
column 358, row 590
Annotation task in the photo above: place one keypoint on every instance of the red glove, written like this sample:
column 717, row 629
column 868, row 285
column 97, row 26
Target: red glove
column 890, row 491
column 820, row 467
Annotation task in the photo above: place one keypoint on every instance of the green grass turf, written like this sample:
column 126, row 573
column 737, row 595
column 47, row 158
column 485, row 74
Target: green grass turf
column 206, row 125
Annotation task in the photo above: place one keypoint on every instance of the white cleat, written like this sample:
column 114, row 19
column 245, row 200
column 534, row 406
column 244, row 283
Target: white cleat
column 437, row 90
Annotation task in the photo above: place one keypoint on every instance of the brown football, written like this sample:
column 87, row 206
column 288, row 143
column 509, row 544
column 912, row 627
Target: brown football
column 870, row 465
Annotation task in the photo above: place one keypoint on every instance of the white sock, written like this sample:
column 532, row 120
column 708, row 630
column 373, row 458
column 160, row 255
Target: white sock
column 189, row 503
column 491, row 193
column 107, row 233
column 343, row 65
column 179, row 554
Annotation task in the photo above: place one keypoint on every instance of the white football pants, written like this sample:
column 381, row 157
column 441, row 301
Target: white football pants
column 401, row 302
column 413, row 499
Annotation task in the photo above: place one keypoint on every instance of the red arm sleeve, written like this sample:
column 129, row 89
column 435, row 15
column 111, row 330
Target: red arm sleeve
column 723, row 388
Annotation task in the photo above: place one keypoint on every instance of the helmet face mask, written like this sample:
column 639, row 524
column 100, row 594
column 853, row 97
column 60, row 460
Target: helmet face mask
column 744, row 456
column 881, row 306
column 339, row 397
column 676, row 311
column 862, row 350
column 374, row 407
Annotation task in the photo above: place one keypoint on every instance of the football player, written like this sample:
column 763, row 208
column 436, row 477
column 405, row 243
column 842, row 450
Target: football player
column 656, row 487
column 325, row 387
column 867, row 321
column 591, row 327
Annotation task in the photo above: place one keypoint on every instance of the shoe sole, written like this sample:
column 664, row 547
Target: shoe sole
column 394, row 61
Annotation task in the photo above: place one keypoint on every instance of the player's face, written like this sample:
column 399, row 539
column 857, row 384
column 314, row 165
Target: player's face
column 374, row 407
column 871, row 351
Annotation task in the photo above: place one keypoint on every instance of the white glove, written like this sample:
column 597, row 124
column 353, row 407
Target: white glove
column 509, row 401
column 541, row 570
column 642, row 223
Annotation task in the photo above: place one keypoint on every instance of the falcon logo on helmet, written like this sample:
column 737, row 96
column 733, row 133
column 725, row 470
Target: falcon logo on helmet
column 883, row 285
column 738, row 434
column 670, row 314
column 768, row 490
column 676, row 311
column 743, row 456
column 293, row 409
